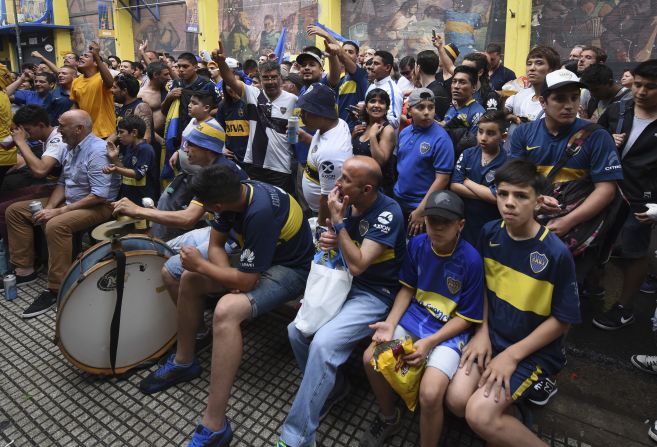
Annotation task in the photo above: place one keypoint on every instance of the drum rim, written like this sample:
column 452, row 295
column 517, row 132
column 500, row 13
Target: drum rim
column 64, row 300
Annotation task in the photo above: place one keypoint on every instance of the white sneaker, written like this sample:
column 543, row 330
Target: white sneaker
column 646, row 363
column 652, row 431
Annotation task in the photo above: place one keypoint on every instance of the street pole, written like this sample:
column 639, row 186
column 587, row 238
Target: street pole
column 18, row 38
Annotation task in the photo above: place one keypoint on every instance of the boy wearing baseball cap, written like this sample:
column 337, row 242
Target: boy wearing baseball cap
column 442, row 294
column 425, row 159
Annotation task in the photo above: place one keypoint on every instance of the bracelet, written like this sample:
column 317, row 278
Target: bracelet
column 338, row 226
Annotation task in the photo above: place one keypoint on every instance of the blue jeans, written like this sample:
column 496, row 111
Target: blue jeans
column 319, row 358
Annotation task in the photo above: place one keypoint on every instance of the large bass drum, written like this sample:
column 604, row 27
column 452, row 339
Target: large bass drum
column 88, row 298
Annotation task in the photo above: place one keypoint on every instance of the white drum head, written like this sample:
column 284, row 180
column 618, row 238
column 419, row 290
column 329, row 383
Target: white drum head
column 148, row 315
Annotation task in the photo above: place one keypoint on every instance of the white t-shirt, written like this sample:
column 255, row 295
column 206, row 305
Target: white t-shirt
column 327, row 153
column 55, row 147
column 185, row 165
column 522, row 105
column 404, row 84
column 396, row 98
column 267, row 146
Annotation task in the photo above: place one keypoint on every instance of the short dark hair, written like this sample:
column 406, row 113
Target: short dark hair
column 132, row 64
column 495, row 116
column 28, row 66
column 118, row 59
column 407, row 61
column 647, row 69
column 471, row 72
column 216, row 184
column 386, row 57
column 138, row 65
column 31, row 114
column 127, row 82
column 205, row 97
column 155, row 68
column 428, row 62
column 494, row 48
column 352, row 43
column 548, row 53
column 50, row 77
column 189, row 57
column 597, row 74
column 600, row 54
column 521, row 172
column 133, row 122
column 270, row 66
column 250, row 64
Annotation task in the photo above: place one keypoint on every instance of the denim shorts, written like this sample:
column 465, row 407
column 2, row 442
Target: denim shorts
column 199, row 238
column 278, row 285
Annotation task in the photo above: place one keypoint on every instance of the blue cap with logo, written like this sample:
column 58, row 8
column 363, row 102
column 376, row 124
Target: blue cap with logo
column 319, row 99
column 208, row 136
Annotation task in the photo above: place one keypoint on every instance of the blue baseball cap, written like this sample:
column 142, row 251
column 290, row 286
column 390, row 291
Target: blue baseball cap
column 208, row 136
column 319, row 99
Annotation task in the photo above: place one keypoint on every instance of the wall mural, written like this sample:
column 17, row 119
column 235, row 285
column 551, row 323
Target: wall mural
column 252, row 27
column 626, row 29
column 405, row 26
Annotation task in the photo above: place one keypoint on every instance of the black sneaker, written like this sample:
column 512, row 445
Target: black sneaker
column 41, row 304
column 542, row 392
column 379, row 431
column 649, row 285
column 339, row 392
column 615, row 318
column 23, row 280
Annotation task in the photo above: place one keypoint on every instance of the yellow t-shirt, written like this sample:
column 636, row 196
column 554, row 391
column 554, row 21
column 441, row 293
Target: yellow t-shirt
column 98, row 101
column 7, row 157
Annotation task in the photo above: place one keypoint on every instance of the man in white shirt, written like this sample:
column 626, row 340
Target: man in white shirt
column 329, row 148
column 268, row 155
column 380, row 70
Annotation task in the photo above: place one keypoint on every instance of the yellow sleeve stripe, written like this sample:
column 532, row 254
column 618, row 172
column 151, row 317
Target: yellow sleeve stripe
column 293, row 222
column 518, row 289
column 471, row 320
column 133, row 181
column 387, row 255
column 196, row 202
column 406, row 284
column 564, row 174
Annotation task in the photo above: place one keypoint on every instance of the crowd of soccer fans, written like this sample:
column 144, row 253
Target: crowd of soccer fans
column 474, row 208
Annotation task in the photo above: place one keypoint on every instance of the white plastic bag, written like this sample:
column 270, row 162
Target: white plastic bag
column 329, row 282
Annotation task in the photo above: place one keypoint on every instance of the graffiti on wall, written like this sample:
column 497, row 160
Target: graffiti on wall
column 85, row 31
column 168, row 35
column 405, row 26
column 252, row 27
column 626, row 29
column 31, row 10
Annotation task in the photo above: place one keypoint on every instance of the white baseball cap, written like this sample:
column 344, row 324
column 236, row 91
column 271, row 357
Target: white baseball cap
column 558, row 79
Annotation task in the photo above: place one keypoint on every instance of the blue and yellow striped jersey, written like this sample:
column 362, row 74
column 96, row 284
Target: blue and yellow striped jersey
column 446, row 286
column 527, row 282
column 272, row 230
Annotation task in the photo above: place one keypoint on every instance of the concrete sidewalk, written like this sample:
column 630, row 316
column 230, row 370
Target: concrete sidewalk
column 45, row 401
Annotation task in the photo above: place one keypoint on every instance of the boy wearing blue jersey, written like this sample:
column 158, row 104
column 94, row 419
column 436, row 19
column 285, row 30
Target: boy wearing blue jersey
column 475, row 172
column 137, row 163
column 441, row 296
column 532, row 300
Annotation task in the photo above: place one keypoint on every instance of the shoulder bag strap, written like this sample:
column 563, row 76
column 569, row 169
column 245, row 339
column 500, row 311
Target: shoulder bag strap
column 574, row 143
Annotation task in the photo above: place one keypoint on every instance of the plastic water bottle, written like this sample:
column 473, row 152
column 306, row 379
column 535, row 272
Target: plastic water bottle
column 4, row 258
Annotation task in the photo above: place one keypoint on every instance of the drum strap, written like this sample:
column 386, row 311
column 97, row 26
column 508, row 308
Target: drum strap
column 115, row 327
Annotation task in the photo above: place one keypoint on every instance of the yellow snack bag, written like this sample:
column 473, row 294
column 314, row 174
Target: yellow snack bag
column 402, row 377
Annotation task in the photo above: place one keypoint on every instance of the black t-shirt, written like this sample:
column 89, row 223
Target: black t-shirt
column 442, row 98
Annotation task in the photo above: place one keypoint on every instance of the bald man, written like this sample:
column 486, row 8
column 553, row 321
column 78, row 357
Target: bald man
column 81, row 200
column 368, row 228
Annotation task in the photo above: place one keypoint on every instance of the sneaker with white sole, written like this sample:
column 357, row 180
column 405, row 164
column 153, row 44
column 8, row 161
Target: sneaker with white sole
column 542, row 392
column 652, row 431
column 649, row 285
column 646, row 363
column 615, row 318
column 379, row 431
column 41, row 304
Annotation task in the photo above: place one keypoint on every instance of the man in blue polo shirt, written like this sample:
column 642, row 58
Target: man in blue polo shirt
column 44, row 83
column 425, row 159
column 367, row 228
column 277, row 250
